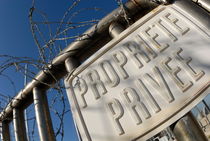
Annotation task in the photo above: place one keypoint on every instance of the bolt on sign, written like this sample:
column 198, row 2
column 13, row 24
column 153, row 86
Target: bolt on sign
column 145, row 79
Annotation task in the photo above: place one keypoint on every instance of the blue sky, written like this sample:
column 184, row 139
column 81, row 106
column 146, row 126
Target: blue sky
column 16, row 38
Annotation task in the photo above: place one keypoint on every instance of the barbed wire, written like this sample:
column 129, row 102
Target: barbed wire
column 49, row 42
column 124, row 11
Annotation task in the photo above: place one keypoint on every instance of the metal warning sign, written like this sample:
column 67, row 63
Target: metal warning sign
column 144, row 80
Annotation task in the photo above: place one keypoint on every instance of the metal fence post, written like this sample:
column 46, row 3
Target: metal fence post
column 71, row 64
column 187, row 129
column 5, row 133
column 115, row 29
column 43, row 118
column 19, row 125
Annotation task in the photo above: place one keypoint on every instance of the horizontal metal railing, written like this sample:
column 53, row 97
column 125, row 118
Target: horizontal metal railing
column 203, row 3
column 47, row 77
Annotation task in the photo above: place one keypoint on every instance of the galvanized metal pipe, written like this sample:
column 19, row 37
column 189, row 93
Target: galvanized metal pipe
column 43, row 118
column 93, row 34
column 115, row 29
column 188, row 129
column 26, row 123
column 197, row 12
column 19, row 125
column 5, row 132
column 70, row 64
column 203, row 3
column 102, row 27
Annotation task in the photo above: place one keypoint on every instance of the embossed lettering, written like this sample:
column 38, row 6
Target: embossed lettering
column 109, row 73
column 174, row 73
column 153, row 39
column 165, row 30
column 96, row 84
column 148, row 96
column 120, row 60
column 186, row 62
column 150, row 52
column 159, row 83
column 81, row 87
column 137, row 54
column 174, row 23
column 116, row 111
column 135, row 105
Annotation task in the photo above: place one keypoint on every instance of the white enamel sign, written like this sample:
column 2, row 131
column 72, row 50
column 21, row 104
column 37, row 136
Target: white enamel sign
column 144, row 80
